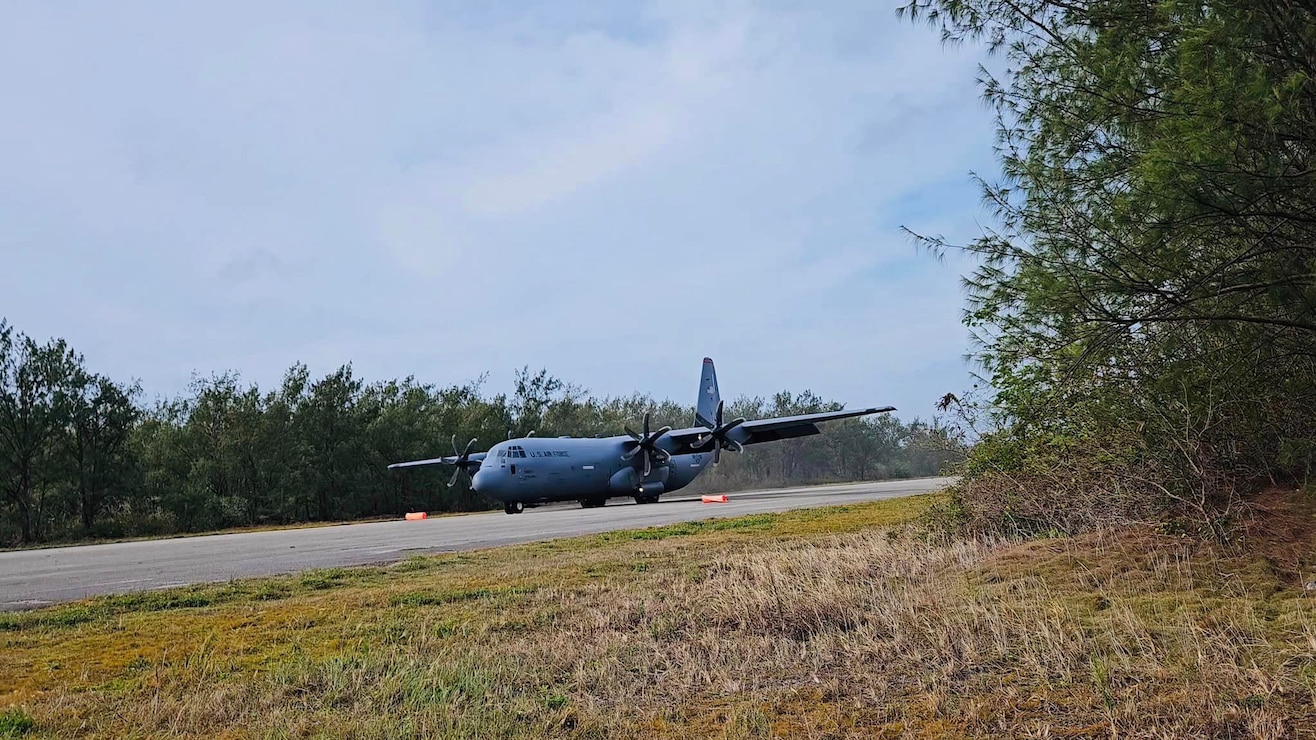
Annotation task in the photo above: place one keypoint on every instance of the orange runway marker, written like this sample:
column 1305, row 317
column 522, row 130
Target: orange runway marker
column 722, row 499
column 414, row 515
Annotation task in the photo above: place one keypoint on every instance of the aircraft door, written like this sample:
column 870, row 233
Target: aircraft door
column 513, row 464
column 590, row 477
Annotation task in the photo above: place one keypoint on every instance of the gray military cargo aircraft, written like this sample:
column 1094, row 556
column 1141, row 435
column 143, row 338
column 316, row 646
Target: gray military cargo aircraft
column 641, row 465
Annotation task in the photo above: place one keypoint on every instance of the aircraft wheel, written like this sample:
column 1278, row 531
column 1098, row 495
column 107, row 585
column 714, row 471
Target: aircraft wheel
column 514, row 507
column 648, row 498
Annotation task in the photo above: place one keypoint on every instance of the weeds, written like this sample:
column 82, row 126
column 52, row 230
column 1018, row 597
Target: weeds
column 15, row 723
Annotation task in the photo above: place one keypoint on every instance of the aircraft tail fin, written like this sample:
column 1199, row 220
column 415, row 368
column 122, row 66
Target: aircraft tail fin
column 706, row 409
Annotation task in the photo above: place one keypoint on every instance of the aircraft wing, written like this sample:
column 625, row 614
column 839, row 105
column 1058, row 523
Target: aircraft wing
column 786, row 427
column 769, row 430
column 449, row 460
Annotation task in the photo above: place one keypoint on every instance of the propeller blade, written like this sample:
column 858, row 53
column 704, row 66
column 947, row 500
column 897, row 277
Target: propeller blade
column 718, row 419
column 631, row 432
column 717, row 454
column 648, row 467
column 455, row 451
column 646, row 424
column 453, row 480
column 738, row 447
column 700, row 442
column 658, row 434
column 632, row 452
column 467, row 452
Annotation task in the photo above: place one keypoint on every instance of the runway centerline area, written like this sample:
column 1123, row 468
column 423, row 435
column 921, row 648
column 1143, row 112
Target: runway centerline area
column 36, row 578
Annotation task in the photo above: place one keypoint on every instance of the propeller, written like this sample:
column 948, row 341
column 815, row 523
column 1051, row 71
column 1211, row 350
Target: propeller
column 462, row 460
column 719, row 433
column 647, row 443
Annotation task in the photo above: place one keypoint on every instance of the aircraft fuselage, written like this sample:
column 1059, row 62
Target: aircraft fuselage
column 542, row 469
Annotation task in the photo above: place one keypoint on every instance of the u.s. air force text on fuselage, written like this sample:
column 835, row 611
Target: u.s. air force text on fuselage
column 642, row 465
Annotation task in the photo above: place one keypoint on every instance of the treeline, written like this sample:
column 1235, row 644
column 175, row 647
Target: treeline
column 1147, row 305
column 82, row 456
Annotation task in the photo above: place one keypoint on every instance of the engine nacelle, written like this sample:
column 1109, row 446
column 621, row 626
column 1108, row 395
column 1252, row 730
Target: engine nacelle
column 624, row 481
column 683, row 470
column 627, row 481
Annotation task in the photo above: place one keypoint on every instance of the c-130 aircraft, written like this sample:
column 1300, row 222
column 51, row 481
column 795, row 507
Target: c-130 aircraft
column 645, row 465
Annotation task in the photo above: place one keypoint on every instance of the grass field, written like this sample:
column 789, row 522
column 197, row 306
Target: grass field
column 821, row 623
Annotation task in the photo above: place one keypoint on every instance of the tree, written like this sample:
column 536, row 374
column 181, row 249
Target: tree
column 332, row 431
column 101, row 417
column 34, row 407
column 402, row 426
column 534, row 395
column 1154, row 268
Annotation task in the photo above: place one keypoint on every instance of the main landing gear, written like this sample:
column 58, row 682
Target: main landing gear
column 646, row 498
column 593, row 502
column 514, row 507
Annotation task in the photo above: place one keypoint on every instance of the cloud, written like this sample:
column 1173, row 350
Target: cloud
column 610, row 191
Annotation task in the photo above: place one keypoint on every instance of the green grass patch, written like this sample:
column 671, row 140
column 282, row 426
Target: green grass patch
column 415, row 564
column 56, row 617
column 437, row 598
column 15, row 723
column 751, row 523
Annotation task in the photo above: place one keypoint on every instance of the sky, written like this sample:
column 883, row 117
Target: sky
column 610, row 191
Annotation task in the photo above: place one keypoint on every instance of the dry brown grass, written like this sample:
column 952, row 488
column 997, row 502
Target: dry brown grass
column 820, row 624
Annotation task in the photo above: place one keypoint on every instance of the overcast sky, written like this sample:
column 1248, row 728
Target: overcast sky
column 608, row 190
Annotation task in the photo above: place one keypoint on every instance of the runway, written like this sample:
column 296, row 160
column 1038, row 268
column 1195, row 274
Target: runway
column 36, row 578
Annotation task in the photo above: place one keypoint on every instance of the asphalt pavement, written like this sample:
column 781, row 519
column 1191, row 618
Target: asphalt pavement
column 35, row 578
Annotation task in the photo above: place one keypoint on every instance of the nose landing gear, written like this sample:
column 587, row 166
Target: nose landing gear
column 514, row 507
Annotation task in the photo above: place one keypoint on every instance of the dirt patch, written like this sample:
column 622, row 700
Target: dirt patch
column 1281, row 527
